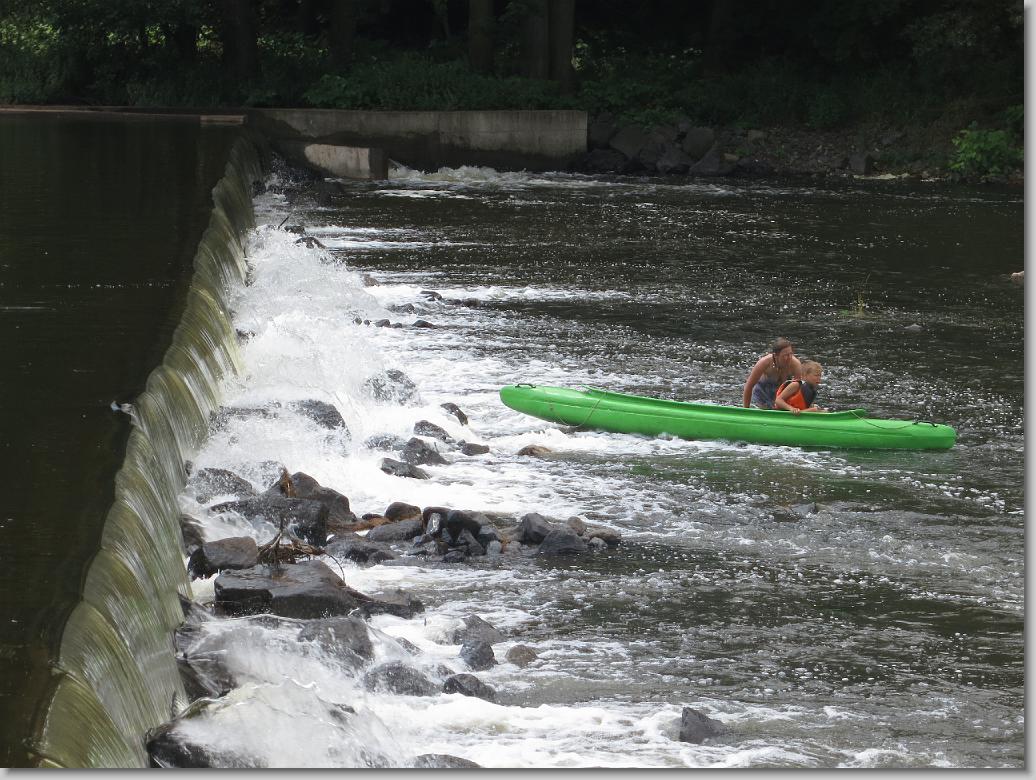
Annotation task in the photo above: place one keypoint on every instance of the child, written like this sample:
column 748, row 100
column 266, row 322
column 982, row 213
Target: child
column 796, row 395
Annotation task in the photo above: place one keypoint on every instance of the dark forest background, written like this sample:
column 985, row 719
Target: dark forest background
column 751, row 62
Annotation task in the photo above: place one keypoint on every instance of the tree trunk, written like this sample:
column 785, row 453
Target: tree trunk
column 714, row 58
column 536, row 39
column 240, row 38
column 562, row 34
column 481, row 23
column 182, row 38
column 342, row 32
column 307, row 18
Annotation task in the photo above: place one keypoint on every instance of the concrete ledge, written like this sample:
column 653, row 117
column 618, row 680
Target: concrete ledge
column 347, row 162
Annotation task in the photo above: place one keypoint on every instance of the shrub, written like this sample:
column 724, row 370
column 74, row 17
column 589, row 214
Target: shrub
column 985, row 153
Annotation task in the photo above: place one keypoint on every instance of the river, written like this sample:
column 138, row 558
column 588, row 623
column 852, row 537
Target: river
column 830, row 608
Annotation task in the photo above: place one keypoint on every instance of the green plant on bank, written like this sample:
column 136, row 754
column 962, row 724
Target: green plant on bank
column 979, row 153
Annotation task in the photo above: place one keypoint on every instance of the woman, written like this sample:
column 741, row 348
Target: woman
column 768, row 372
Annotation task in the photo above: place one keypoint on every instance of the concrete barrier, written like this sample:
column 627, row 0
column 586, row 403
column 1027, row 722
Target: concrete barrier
column 347, row 162
column 533, row 140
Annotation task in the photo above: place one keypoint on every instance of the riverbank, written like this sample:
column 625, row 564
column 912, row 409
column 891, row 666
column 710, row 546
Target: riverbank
column 875, row 150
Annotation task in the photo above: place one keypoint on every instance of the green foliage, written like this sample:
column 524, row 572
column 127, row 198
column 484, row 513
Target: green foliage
column 985, row 153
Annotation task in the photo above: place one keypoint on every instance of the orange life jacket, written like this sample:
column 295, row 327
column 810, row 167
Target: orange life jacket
column 802, row 398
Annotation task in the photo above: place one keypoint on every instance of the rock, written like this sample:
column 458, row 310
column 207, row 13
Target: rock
column 383, row 323
column 399, row 469
column 754, row 166
column 298, row 590
column 562, row 541
column 604, row 161
column 711, row 164
column 423, row 324
column 404, row 308
column 596, row 544
column 861, row 163
column 629, row 140
column 521, row 655
column 673, row 159
column 384, row 441
column 400, row 531
column 576, row 524
column 467, row 543
column 649, row 154
column 323, row 414
column 393, row 386
column 696, row 727
column 607, row 535
column 698, row 141
column 399, row 678
column 297, row 229
column 459, row 519
column 534, row 528
column 805, row 510
column 1018, row 277
column 468, row 685
column 431, row 295
column 455, row 556
column 418, row 452
column 535, row 450
column 305, row 486
column 755, row 135
column 237, row 552
column 425, row 428
column 358, row 551
column 200, row 684
column 476, row 628
column 310, row 242
column 169, row 749
column 443, row 761
column 433, row 519
column 600, row 131
column 478, row 654
column 192, row 532
column 495, row 547
column 210, row 483
column 455, row 410
column 344, row 638
column 488, row 535
column 304, row 517
column 400, row 510
column 470, row 448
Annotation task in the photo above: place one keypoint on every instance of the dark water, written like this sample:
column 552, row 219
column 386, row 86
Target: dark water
column 99, row 222
column 835, row 608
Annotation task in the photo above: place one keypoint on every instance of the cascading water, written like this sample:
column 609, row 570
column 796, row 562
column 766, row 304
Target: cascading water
column 115, row 672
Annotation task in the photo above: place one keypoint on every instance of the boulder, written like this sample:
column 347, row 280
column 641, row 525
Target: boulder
column 204, row 677
column 521, row 655
column 322, row 413
column 534, row 528
column 346, row 638
column 629, row 140
column 392, row 386
column 399, row 469
column 603, row 161
column 310, row 242
column 431, row 295
column 433, row 519
column 459, row 520
column 468, row 685
column 452, row 408
column 861, row 163
column 169, row 749
column 443, row 761
column 601, row 130
column 401, row 531
column 466, row 543
column 304, row 517
column 298, row 590
column 358, row 551
column 673, row 159
column 607, row 535
column 478, row 654
column 399, row 678
column 237, row 552
column 192, row 533
column 711, row 164
column 576, row 524
column 430, row 429
column 304, row 486
column 697, row 141
column 696, row 726
column 475, row 628
column 384, row 441
column 562, row 541
column 210, row 483
column 423, row 324
column 400, row 510
column 470, row 448
column 418, row 452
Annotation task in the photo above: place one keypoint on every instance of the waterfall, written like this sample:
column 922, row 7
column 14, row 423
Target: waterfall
column 115, row 674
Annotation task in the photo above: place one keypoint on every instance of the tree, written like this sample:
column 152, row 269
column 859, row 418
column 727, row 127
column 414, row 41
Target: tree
column 342, row 31
column 562, row 34
column 536, row 39
column 239, row 33
column 481, row 25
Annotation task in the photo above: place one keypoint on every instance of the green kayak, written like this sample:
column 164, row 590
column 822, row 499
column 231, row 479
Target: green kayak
column 621, row 413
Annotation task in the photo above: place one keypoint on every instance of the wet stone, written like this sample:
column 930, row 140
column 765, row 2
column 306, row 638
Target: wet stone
column 468, row 685
column 237, row 552
column 399, row 678
column 478, row 654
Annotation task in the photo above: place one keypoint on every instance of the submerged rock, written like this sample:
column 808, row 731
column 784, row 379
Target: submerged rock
column 209, row 483
column 392, row 386
column 443, row 761
column 399, row 678
column 345, row 638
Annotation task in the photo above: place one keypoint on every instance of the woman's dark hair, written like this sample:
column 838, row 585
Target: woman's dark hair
column 780, row 343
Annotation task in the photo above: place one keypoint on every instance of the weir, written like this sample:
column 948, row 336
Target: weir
column 115, row 674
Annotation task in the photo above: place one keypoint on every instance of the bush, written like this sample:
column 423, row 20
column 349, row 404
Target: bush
column 985, row 153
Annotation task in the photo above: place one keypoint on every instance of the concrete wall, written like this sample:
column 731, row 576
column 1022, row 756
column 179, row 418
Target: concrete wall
column 532, row 140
